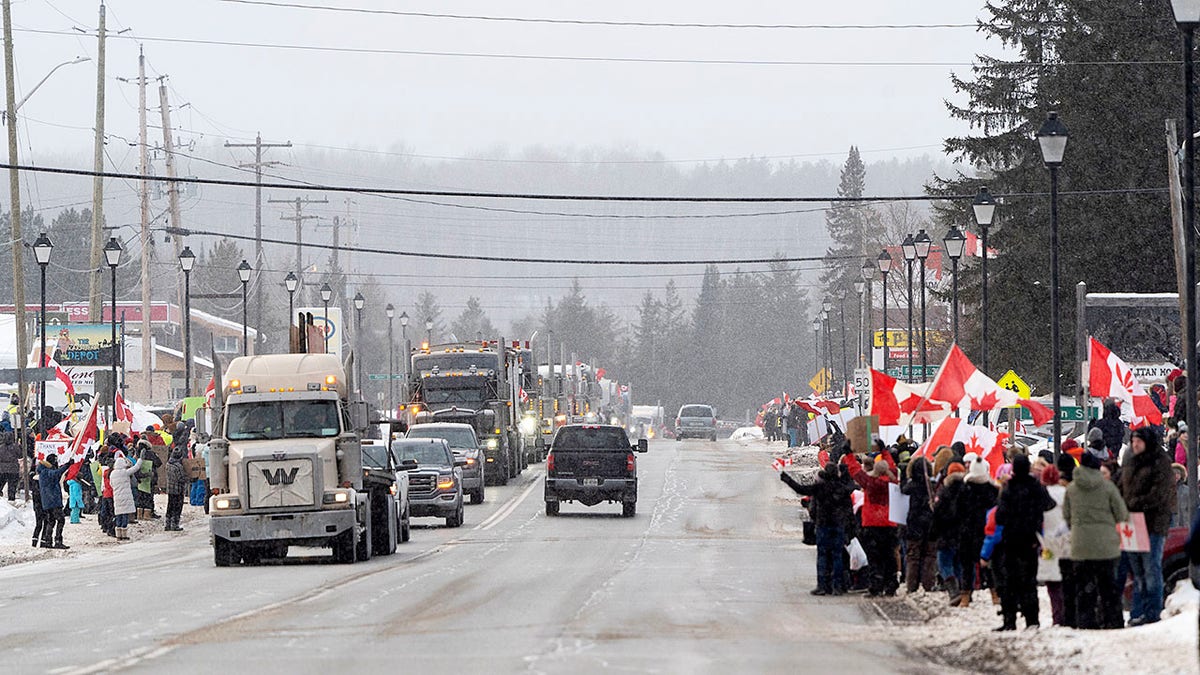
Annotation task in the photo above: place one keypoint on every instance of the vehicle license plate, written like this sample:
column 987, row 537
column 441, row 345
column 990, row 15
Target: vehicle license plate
column 591, row 482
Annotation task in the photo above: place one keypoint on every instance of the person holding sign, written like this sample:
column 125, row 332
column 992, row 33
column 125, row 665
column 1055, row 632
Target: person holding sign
column 1148, row 486
column 878, row 532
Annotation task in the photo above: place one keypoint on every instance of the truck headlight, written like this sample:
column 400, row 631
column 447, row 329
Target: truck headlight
column 491, row 443
column 445, row 482
column 528, row 426
column 336, row 497
column 227, row 503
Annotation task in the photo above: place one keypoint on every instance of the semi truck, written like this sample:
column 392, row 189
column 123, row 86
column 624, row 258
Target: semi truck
column 286, row 466
column 473, row 383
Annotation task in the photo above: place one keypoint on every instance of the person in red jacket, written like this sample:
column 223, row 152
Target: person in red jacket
column 878, row 534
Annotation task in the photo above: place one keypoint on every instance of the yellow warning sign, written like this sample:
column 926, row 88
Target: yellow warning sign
column 1013, row 382
column 820, row 381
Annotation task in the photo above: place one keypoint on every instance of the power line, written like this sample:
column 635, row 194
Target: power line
column 598, row 22
column 533, row 196
column 603, row 59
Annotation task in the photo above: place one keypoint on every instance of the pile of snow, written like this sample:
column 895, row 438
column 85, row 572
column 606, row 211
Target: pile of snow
column 16, row 522
column 747, row 434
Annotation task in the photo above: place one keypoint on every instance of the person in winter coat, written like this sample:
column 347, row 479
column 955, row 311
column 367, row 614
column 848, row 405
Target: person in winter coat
column 1111, row 426
column 1097, row 446
column 1019, row 511
column 119, row 477
column 878, row 533
column 978, row 494
column 49, row 475
column 832, row 512
column 1181, row 445
column 1092, row 508
column 920, row 561
column 1056, row 549
column 948, row 531
column 178, row 482
column 1148, row 486
column 75, row 496
column 10, row 460
column 106, row 518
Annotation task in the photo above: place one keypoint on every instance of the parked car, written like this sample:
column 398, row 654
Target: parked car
column 592, row 463
column 696, row 420
column 381, row 465
column 435, row 486
column 465, row 445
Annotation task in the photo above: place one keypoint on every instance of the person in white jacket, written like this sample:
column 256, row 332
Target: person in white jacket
column 1056, row 547
column 123, row 503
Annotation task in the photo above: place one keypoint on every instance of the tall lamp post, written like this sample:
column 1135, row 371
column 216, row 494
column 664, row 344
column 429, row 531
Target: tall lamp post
column 112, row 255
column 985, row 210
column 390, row 312
column 816, row 326
column 955, row 242
column 1187, row 17
column 291, row 282
column 187, row 261
column 326, row 296
column 826, row 313
column 860, row 287
column 909, row 248
column 924, row 244
column 885, row 266
column 359, row 303
column 41, row 252
column 1052, row 138
column 868, row 275
column 244, row 271
column 407, row 352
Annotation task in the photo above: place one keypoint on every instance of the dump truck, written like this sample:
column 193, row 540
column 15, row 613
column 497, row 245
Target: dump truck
column 286, row 465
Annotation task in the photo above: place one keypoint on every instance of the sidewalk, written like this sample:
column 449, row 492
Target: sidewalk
column 963, row 638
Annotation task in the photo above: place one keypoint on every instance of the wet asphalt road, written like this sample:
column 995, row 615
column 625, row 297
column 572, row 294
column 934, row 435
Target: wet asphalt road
column 709, row 577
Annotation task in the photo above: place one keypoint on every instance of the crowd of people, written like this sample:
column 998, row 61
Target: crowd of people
column 1035, row 520
column 115, row 480
column 786, row 421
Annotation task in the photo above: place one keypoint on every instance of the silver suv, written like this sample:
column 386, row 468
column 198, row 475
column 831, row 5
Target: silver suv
column 696, row 420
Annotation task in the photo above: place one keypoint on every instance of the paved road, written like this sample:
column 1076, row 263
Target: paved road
column 709, row 577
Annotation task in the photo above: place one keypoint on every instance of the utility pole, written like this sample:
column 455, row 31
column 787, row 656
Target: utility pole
column 299, row 203
column 14, row 190
column 95, row 268
column 172, row 198
column 259, row 259
column 147, row 349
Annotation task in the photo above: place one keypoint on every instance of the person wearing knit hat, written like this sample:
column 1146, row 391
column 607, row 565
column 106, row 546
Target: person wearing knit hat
column 878, row 533
column 977, row 496
column 947, row 529
column 1071, row 447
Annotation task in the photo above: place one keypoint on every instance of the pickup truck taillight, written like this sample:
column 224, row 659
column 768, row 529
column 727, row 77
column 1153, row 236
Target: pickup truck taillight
column 550, row 463
column 630, row 463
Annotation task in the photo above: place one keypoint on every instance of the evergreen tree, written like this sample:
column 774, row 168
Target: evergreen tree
column 427, row 309
column 474, row 323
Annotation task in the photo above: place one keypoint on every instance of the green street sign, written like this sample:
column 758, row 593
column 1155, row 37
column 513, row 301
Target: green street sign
column 903, row 372
column 1067, row 413
column 384, row 376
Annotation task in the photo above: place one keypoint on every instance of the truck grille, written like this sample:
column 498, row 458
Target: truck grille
column 421, row 484
column 280, row 483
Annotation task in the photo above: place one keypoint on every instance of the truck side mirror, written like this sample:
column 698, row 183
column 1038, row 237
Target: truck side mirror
column 460, row 462
column 409, row 464
column 643, row 445
column 359, row 415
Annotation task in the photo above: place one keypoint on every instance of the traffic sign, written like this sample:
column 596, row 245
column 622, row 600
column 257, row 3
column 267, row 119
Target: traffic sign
column 1013, row 382
column 1066, row 413
column 820, row 381
column 384, row 376
column 902, row 372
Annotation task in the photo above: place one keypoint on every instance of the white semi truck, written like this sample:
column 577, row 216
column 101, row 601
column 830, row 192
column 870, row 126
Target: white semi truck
column 286, row 469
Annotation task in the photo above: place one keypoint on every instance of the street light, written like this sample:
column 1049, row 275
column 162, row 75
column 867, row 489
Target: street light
column 390, row 311
column 1187, row 16
column 359, row 303
column 955, row 242
column 985, row 210
column 909, row 248
column 326, row 296
column 187, row 261
column 244, row 271
column 407, row 351
column 112, row 255
column 868, row 275
column 826, row 307
column 53, row 70
column 1052, row 138
column 885, row 266
column 816, row 326
column 291, row 282
column 923, row 244
column 41, row 251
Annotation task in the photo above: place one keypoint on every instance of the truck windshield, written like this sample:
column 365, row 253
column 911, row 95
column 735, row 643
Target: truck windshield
column 426, row 454
column 434, row 394
column 583, row 439
column 374, row 457
column 261, row 420
column 457, row 437
column 457, row 362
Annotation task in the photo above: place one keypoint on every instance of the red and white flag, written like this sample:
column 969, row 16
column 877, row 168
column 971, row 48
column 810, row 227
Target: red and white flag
column 1110, row 377
column 897, row 403
column 210, row 392
column 122, row 412
column 523, row 396
column 962, row 385
column 60, row 374
column 88, row 433
column 980, row 440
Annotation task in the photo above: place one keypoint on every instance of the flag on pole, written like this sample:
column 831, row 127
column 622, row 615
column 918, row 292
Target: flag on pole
column 60, row 375
column 210, row 392
column 899, row 404
column 1110, row 377
column 122, row 412
column 980, row 440
column 90, row 432
column 962, row 385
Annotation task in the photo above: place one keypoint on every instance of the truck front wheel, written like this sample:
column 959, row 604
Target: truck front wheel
column 345, row 547
column 224, row 552
column 365, row 547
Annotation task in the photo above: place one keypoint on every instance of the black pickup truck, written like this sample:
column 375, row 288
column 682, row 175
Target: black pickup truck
column 592, row 463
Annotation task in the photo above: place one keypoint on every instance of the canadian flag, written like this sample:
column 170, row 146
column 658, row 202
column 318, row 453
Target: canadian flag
column 1110, row 377
column 59, row 374
column 210, row 392
column 523, row 396
column 962, row 385
column 780, row 463
column 122, row 412
column 899, row 404
column 982, row 441
column 90, row 432
column 819, row 407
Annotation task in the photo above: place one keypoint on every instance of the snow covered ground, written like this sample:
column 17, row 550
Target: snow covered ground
column 16, row 530
column 963, row 638
column 742, row 434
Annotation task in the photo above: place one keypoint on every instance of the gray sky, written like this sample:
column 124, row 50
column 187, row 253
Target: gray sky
column 448, row 106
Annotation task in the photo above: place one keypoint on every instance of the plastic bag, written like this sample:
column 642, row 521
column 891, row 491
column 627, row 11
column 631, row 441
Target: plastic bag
column 858, row 557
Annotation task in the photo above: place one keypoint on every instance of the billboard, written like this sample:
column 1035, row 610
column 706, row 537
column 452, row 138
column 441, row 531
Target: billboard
column 332, row 325
column 83, row 344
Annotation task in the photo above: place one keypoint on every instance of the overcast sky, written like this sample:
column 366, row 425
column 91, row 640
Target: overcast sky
column 449, row 106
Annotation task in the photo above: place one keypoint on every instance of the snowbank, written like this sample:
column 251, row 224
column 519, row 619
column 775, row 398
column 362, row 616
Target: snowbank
column 16, row 522
column 747, row 434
